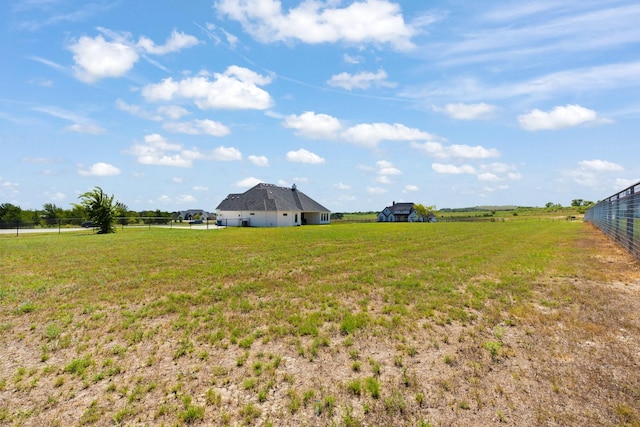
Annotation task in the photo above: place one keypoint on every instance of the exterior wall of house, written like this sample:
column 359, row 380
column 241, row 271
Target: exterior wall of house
column 259, row 218
column 317, row 218
column 229, row 218
column 387, row 216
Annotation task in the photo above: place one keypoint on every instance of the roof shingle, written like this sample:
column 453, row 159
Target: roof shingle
column 269, row 197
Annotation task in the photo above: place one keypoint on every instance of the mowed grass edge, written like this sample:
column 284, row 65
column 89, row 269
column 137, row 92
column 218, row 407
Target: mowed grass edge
column 222, row 326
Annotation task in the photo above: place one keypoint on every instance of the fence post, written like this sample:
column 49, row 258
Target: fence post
column 629, row 216
column 17, row 227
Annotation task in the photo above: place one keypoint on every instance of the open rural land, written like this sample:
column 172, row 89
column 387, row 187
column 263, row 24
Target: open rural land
column 446, row 324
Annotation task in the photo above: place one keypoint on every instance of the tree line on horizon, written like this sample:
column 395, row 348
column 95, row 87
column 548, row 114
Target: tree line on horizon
column 105, row 211
column 94, row 206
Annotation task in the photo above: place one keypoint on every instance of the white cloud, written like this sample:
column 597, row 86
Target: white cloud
column 88, row 128
column 558, row 118
column 352, row 59
column 137, row 111
column 600, row 166
column 453, row 169
column 341, row 186
column 80, row 124
column 186, row 198
column 592, row 173
column 304, row 156
column 386, row 168
column 622, row 183
column 376, row 190
column 96, row 58
column 7, row 188
column 383, row 171
column 261, row 161
column 323, row 126
column 479, row 111
column 312, row 125
column 596, row 79
column 200, row 188
column 156, row 150
column 501, row 187
column 362, row 80
column 173, row 112
column 99, row 169
column 197, row 127
column 235, row 89
column 410, row 188
column 164, row 199
column 439, row 151
column 57, row 196
column 370, row 134
column 177, row 41
column 495, row 172
column 488, row 176
column 366, row 21
column 177, row 180
column 248, row 182
column 220, row 154
column 514, row 176
column 226, row 154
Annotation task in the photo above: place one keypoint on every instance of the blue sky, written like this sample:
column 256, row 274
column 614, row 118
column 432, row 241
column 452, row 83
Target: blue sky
column 359, row 103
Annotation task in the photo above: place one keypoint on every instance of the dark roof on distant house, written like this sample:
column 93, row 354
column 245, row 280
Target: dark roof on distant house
column 400, row 208
column 190, row 213
column 269, row 197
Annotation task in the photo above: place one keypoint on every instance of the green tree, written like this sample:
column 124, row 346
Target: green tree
column 122, row 212
column 101, row 209
column 51, row 213
column 424, row 212
column 9, row 212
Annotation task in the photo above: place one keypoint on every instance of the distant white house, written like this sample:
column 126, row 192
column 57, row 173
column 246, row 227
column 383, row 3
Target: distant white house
column 268, row 205
column 399, row 212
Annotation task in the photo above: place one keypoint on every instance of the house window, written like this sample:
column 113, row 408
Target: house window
column 284, row 214
column 252, row 213
column 296, row 218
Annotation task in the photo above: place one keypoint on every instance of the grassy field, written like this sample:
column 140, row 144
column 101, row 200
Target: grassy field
column 514, row 214
column 505, row 323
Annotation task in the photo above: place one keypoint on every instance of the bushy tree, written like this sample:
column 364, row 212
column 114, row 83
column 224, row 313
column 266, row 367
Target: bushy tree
column 51, row 213
column 9, row 212
column 101, row 209
column 425, row 212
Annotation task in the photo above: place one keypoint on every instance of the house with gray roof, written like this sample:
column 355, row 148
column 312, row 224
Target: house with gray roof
column 191, row 214
column 268, row 205
column 399, row 212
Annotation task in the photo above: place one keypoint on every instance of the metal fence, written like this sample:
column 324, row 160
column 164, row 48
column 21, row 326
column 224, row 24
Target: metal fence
column 59, row 225
column 618, row 216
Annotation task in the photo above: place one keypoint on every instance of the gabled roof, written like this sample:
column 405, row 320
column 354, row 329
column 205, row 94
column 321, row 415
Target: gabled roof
column 269, row 197
column 400, row 208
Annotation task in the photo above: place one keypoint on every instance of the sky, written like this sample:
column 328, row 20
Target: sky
column 173, row 105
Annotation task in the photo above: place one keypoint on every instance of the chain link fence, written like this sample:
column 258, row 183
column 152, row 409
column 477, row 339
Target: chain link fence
column 618, row 216
column 60, row 225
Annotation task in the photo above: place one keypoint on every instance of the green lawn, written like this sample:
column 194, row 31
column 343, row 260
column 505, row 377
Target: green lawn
column 306, row 325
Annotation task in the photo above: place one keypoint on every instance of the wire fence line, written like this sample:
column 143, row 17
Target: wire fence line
column 60, row 225
column 618, row 216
